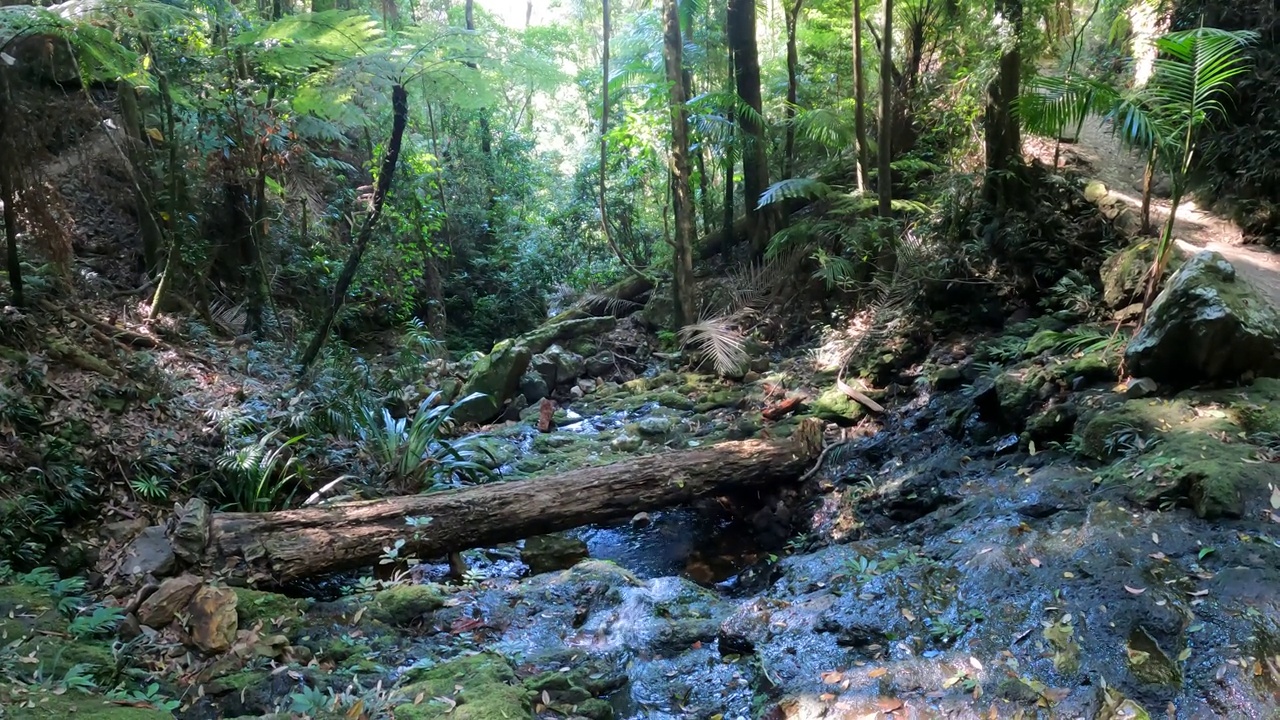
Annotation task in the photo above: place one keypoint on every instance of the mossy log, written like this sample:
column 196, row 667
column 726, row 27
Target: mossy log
column 277, row 548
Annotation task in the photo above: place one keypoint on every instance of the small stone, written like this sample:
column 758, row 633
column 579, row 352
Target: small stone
column 1139, row 388
column 601, row 364
column 129, row 627
column 626, row 443
column 163, row 605
column 751, row 377
column 213, row 620
column 948, row 377
column 576, row 392
column 151, row 553
column 548, row 553
column 761, row 365
column 654, row 427
column 123, row 530
column 641, row 520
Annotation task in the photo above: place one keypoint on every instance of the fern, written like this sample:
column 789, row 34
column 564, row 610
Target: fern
column 309, row 41
column 717, row 337
column 791, row 188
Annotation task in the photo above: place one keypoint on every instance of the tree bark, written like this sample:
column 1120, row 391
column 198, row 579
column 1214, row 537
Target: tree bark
column 143, row 204
column 277, row 548
column 626, row 293
column 793, row 60
column 863, row 159
column 1003, row 138
column 399, row 118
column 682, row 195
column 8, row 191
column 741, row 26
column 884, row 174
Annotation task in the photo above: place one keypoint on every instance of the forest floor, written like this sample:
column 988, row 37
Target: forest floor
column 1195, row 228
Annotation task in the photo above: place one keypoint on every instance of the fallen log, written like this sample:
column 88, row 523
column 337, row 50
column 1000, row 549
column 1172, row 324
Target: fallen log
column 277, row 548
column 621, row 298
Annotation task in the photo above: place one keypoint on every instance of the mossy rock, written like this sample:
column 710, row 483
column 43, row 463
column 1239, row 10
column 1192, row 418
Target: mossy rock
column 834, row 406
column 1195, row 466
column 1142, row 416
column 674, row 400
column 489, row 691
column 1123, row 274
column 253, row 606
column 25, row 610
column 403, row 604
column 38, row 704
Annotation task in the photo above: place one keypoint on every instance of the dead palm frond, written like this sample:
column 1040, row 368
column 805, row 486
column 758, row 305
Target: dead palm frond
column 720, row 339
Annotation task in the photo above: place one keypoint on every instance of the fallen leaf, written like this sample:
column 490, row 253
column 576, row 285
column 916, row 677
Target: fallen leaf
column 973, row 661
column 1198, row 593
column 1155, row 538
column 908, row 615
column 1134, row 590
column 1068, row 575
column 870, row 404
column 889, row 705
column 827, row 697
column 831, row 677
column 878, row 672
column 1275, row 498
column 1035, row 561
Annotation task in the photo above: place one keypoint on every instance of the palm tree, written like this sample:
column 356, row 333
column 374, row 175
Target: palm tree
column 1191, row 78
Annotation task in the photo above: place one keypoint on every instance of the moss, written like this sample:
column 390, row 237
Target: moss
column 488, row 691
column 239, row 682
column 1097, row 431
column 595, row 709
column 1043, row 341
column 402, row 604
column 719, row 399
column 254, row 605
column 42, row 705
column 26, row 609
column 674, row 400
column 834, row 406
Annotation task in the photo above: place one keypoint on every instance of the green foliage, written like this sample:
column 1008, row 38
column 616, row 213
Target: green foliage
column 413, row 453
column 260, row 475
column 101, row 620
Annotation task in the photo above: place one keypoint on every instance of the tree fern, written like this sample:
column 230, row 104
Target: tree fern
column 791, row 188
column 308, row 41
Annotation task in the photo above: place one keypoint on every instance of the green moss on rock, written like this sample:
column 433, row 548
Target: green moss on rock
column 253, row 606
column 43, row 705
column 834, row 406
column 402, row 604
column 489, row 691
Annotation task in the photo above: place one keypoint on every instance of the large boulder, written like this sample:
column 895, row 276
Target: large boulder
column 545, row 336
column 659, row 312
column 569, row 366
column 1206, row 325
column 497, row 377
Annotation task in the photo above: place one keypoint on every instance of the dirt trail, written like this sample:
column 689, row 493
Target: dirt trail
column 1194, row 230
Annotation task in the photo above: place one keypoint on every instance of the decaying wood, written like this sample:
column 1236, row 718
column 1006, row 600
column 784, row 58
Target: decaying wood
column 784, row 408
column 280, row 547
column 546, row 415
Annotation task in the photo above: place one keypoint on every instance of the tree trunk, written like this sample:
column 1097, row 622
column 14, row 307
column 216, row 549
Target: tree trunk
column 8, row 197
column 863, row 159
column 151, row 238
column 625, row 293
column 793, row 60
column 399, row 118
column 730, row 213
column 290, row 545
column 1148, row 180
column 1003, row 138
column 681, row 192
column 884, row 174
column 755, row 160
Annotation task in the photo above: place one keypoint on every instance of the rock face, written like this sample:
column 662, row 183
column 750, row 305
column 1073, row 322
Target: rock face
column 542, row 338
column 548, row 553
column 497, row 377
column 601, row 364
column 150, row 554
column 163, row 605
column 1123, row 272
column 534, row 386
column 1206, row 325
column 213, row 618
column 192, row 531
column 568, row 365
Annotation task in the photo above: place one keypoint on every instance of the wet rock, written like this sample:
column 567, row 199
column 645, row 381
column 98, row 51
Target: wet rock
column 1137, row 388
column 601, row 364
column 576, row 392
column 659, row 312
column 191, row 534
column 150, row 553
column 569, row 365
column 173, row 595
column 641, row 520
column 129, row 627
column 472, row 687
column 401, row 605
column 986, row 400
column 534, row 387
column 497, row 378
column 213, row 621
column 1148, row 662
column 549, row 553
column 626, row 443
column 655, row 427
column 1206, row 326
column 545, row 367
column 1053, row 423
column 946, row 378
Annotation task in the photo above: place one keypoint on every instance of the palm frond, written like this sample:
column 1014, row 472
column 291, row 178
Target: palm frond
column 791, row 188
column 718, row 338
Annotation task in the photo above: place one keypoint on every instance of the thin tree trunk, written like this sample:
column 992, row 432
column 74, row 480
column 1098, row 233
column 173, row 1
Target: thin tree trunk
column 863, row 159
column 1003, row 136
column 729, row 210
column 437, row 318
column 682, row 196
column 741, row 27
column 1148, row 180
column 884, row 174
column 793, row 60
column 151, row 238
column 8, row 197
column 399, row 118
